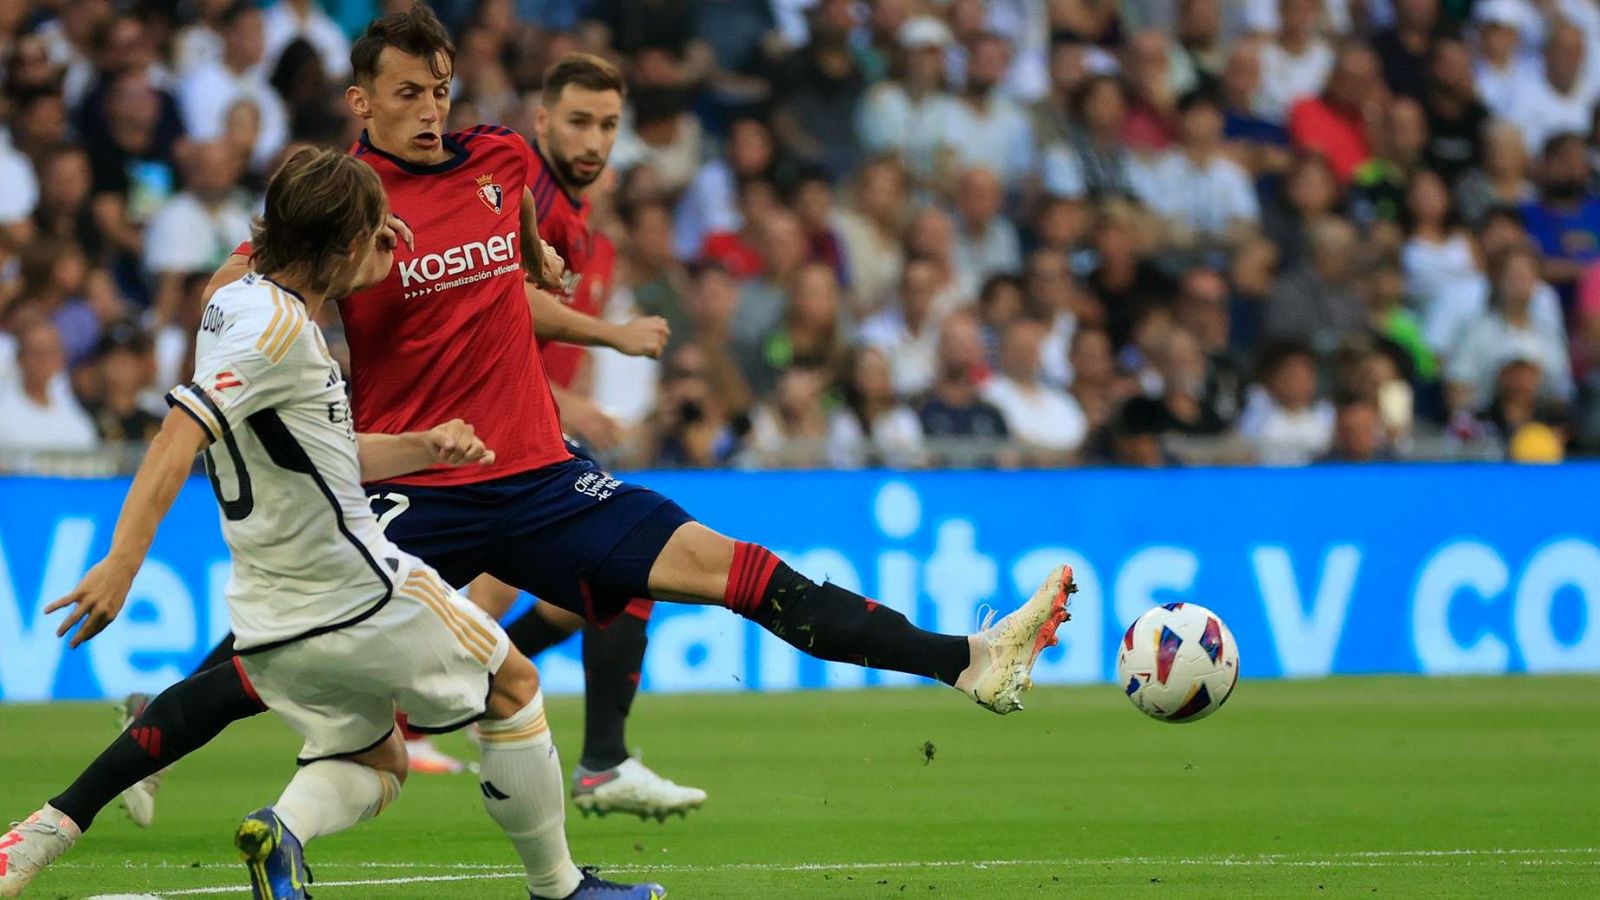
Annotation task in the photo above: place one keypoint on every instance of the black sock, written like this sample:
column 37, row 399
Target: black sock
column 533, row 634
column 612, row 657
column 181, row 720
column 831, row 623
column 219, row 654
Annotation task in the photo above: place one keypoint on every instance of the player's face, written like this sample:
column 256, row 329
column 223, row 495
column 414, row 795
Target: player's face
column 577, row 131
column 405, row 106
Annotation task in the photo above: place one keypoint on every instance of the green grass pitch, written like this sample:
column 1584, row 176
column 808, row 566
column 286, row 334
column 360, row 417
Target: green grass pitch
column 1353, row 787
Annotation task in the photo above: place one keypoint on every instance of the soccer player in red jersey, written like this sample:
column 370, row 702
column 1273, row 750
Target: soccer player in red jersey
column 544, row 520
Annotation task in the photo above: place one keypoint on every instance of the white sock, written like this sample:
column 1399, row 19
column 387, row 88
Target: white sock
column 979, row 663
column 523, row 791
column 330, row 795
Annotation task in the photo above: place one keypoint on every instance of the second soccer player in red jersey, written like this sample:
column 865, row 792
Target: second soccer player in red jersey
column 561, row 529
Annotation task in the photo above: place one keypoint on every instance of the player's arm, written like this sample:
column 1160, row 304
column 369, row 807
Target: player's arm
column 555, row 321
column 386, row 456
column 540, row 260
column 98, row 598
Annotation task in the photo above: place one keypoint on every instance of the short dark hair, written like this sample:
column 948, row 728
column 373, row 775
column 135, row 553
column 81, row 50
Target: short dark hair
column 317, row 202
column 414, row 32
column 584, row 70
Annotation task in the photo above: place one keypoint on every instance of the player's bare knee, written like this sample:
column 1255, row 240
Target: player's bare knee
column 492, row 595
column 388, row 757
column 693, row 565
column 515, row 685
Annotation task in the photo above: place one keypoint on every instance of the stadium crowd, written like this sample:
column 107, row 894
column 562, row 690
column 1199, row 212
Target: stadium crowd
column 899, row 232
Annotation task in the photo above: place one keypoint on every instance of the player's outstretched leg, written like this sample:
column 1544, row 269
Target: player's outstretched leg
column 522, row 791
column 324, row 797
column 607, row 779
column 139, row 799
column 992, row 667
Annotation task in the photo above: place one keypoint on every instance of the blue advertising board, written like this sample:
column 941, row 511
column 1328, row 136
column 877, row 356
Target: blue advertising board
column 1427, row 569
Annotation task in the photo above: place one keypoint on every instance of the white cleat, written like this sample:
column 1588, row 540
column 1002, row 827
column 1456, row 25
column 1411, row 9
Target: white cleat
column 31, row 845
column 424, row 758
column 138, row 801
column 632, row 788
column 1003, row 653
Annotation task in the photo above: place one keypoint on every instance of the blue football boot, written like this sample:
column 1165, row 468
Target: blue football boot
column 274, row 856
column 593, row 887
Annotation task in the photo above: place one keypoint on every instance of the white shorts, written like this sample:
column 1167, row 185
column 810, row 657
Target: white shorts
column 428, row 651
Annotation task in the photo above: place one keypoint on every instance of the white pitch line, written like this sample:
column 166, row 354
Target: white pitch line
column 1347, row 859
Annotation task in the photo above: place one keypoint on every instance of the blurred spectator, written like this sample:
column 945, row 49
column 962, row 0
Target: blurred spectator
column 39, row 409
column 986, row 242
column 818, row 87
column 661, row 135
column 210, row 89
column 1123, row 278
column 791, row 429
column 197, row 229
column 1358, row 435
column 1565, row 221
column 1203, row 311
column 907, row 115
column 873, row 427
column 811, row 197
column 1518, row 389
column 1283, row 419
column 1379, row 187
column 809, row 334
column 69, row 40
column 907, row 333
column 762, row 299
column 1310, row 194
column 1502, row 179
column 1205, row 199
column 1439, row 255
column 871, row 231
column 1187, row 403
column 658, row 280
column 1502, row 65
column 21, row 196
column 1055, row 298
column 690, row 429
column 55, row 281
column 1200, row 38
column 1334, row 124
column 983, row 127
column 1558, row 100
column 316, row 109
column 1045, row 421
column 1096, row 386
column 1510, row 331
column 287, row 21
column 710, row 205
column 200, row 42
column 1296, row 65
column 1404, row 49
column 1093, row 162
column 125, row 369
column 953, row 409
column 1384, row 290
column 932, row 234
column 135, row 170
column 1316, row 302
column 1257, row 142
column 713, row 299
column 1456, row 117
column 1135, row 435
column 1154, row 86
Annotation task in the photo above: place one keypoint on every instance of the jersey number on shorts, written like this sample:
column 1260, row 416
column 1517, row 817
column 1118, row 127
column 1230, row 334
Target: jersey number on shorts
column 401, row 504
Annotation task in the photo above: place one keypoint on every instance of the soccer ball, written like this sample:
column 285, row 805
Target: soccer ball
column 1178, row 662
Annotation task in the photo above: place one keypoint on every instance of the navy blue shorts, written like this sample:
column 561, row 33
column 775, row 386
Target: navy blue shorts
column 567, row 533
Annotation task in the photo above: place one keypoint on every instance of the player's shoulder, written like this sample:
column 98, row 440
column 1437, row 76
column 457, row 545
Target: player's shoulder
column 255, row 313
column 481, row 139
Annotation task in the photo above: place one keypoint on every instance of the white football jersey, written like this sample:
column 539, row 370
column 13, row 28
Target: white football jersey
column 308, row 553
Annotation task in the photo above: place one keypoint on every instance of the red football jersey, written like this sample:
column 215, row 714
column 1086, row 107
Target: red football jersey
column 448, row 334
column 564, row 225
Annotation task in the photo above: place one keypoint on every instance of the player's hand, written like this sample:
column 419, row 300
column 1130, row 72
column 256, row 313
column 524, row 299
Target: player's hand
column 587, row 421
column 644, row 336
column 547, row 270
column 402, row 231
column 95, row 602
column 456, row 443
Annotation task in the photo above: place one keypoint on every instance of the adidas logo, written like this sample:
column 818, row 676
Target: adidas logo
column 147, row 738
column 492, row 792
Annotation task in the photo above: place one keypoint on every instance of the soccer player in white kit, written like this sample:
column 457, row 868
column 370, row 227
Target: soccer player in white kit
column 335, row 626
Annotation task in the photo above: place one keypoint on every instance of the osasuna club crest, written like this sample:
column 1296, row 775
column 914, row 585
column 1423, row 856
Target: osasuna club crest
column 489, row 192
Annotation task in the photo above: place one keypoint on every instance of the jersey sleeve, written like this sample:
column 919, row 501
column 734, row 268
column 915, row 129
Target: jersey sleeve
column 247, row 369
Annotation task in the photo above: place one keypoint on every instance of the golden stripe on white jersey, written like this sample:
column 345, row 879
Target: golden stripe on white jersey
column 476, row 642
column 288, row 318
